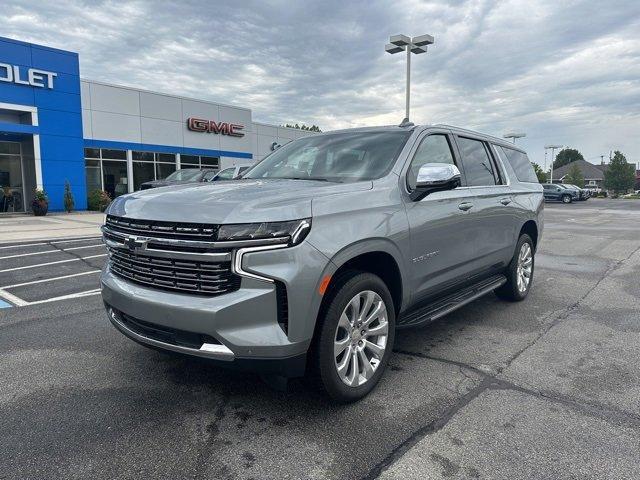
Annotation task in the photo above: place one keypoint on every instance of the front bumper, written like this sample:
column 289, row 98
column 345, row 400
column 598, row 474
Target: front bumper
column 241, row 328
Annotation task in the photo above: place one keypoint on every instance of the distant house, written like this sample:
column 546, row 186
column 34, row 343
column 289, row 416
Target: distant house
column 593, row 174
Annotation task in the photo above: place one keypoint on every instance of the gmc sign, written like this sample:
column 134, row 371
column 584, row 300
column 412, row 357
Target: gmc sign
column 211, row 126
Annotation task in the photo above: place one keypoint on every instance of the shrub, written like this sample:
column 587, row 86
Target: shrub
column 40, row 196
column 98, row 200
column 68, row 197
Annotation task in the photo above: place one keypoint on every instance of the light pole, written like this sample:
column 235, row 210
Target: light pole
column 417, row 45
column 514, row 135
column 553, row 157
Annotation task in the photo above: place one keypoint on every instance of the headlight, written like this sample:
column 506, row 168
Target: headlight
column 294, row 231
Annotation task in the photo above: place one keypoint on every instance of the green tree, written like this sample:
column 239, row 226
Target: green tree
column 312, row 128
column 566, row 156
column 620, row 176
column 574, row 176
column 542, row 177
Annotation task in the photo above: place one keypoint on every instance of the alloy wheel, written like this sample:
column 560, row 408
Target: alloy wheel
column 361, row 338
column 525, row 267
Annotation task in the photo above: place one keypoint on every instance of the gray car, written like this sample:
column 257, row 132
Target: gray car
column 310, row 262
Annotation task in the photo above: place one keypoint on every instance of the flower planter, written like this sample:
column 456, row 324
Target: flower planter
column 40, row 208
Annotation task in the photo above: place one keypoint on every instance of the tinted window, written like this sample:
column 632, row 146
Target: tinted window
column 339, row 157
column 478, row 168
column 520, row 164
column 433, row 149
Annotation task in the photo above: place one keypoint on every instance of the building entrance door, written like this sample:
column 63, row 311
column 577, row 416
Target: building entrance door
column 12, row 198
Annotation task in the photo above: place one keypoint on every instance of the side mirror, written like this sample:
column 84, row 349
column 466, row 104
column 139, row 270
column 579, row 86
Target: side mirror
column 434, row 177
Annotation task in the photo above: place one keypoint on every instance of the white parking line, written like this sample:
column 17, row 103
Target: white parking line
column 87, row 293
column 50, row 241
column 18, row 255
column 18, row 302
column 44, row 280
column 52, row 263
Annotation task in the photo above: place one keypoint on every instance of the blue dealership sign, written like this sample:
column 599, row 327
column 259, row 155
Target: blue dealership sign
column 40, row 105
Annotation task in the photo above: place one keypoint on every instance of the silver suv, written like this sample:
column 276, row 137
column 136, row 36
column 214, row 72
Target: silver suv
column 312, row 260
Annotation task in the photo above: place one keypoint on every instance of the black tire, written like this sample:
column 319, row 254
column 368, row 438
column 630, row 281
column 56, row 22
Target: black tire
column 323, row 361
column 566, row 199
column 510, row 291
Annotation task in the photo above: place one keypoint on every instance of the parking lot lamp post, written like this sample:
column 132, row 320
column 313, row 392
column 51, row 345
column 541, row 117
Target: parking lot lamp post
column 417, row 45
column 553, row 156
column 514, row 135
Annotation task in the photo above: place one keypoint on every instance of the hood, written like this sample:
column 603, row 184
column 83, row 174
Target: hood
column 235, row 201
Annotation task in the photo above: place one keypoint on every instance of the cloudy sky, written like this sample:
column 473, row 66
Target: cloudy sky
column 562, row 71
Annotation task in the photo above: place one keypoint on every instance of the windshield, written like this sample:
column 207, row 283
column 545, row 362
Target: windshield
column 185, row 174
column 339, row 157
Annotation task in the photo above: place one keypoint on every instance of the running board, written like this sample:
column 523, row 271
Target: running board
column 448, row 304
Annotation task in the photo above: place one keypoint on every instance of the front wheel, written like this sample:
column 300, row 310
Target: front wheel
column 519, row 272
column 355, row 339
column 566, row 199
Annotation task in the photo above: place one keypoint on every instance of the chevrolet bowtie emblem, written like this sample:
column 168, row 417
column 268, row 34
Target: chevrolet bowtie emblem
column 136, row 243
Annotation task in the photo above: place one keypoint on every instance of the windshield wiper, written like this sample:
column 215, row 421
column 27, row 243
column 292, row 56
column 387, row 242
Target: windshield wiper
column 306, row 178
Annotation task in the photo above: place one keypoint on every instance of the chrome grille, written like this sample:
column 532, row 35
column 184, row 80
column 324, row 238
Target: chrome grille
column 198, row 277
column 158, row 229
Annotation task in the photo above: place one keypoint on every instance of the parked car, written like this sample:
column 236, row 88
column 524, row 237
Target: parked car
column 230, row 173
column 324, row 249
column 558, row 192
column 184, row 175
column 583, row 194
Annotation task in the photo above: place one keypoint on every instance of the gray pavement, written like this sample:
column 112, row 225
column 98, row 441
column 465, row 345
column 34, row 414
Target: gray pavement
column 546, row 388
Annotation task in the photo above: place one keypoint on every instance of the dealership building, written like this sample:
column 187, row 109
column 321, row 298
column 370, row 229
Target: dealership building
column 56, row 127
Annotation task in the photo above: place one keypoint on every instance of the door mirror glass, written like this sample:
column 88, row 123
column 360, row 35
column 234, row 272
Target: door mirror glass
column 434, row 177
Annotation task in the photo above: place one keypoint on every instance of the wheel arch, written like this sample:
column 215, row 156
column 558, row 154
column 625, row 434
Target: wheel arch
column 530, row 227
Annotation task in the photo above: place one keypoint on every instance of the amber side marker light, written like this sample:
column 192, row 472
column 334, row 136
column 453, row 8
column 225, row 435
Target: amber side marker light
column 324, row 284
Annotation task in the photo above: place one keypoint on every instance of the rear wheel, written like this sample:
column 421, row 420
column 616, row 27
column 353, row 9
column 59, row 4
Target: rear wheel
column 520, row 272
column 355, row 339
column 566, row 198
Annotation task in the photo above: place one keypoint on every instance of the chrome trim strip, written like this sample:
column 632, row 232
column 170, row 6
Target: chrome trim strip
column 236, row 265
column 172, row 254
column 207, row 350
column 199, row 244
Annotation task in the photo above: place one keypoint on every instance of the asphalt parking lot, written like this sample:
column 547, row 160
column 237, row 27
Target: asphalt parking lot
column 546, row 388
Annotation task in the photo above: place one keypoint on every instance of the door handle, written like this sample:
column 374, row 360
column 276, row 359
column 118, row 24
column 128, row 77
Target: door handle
column 464, row 206
column 505, row 201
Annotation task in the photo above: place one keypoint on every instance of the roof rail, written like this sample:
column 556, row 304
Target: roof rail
column 474, row 132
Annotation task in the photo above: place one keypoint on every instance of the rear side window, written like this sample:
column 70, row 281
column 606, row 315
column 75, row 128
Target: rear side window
column 520, row 164
column 478, row 168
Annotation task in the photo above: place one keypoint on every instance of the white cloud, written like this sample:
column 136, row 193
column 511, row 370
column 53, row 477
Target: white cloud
column 564, row 72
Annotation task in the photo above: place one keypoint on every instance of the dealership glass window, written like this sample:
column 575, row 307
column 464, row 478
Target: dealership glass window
column 11, row 192
column 91, row 153
column 142, row 172
column 92, row 171
column 114, row 176
column 114, row 154
column 166, row 157
column 163, row 170
column 210, row 162
column 196, row 161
